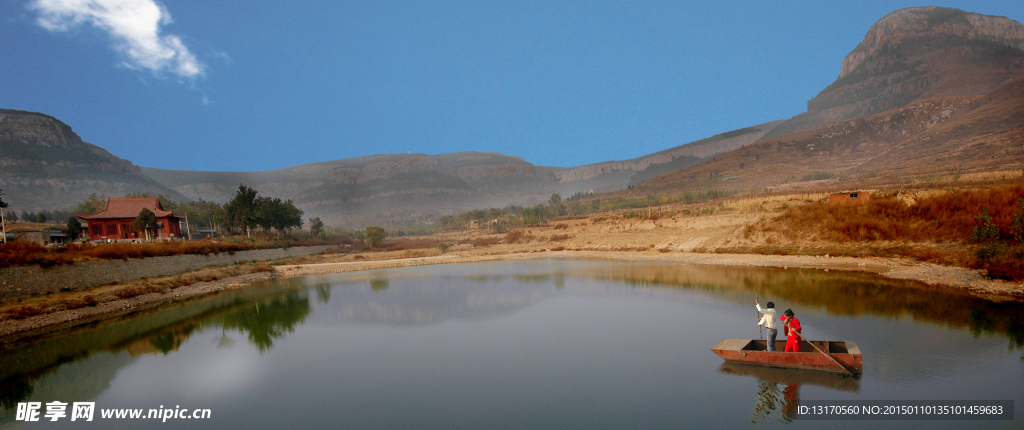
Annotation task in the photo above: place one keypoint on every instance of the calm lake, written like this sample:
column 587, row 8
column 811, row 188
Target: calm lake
column 521, row 344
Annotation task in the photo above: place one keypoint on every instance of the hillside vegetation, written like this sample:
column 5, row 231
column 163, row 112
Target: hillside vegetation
column 978, row 228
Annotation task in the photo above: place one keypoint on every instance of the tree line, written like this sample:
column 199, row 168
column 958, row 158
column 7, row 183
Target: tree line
column 248, row 210
column 245, row 212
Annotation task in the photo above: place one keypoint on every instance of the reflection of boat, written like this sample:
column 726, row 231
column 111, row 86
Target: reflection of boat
column 753, row 351
column 793, row 376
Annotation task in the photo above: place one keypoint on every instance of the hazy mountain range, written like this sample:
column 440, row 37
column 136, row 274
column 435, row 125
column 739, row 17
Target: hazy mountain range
column 929, row 90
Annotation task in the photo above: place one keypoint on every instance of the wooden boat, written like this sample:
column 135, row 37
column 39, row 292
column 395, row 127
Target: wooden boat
column 754, row 351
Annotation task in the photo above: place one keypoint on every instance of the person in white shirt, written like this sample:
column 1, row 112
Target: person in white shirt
column 768, row 320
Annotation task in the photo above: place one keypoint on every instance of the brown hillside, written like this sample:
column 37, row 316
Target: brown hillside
column 949, row 135
column 916, row 54
column 988, row 135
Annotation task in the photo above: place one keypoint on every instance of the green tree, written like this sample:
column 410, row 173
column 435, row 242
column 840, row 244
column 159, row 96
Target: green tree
column 27, row 217
column 316, row 227
column 265, row 213
column 987, row 231
column 277, row 214
column 199, row 212
column 3, row 204
column 1017, row 227
column 145, row 221
column 555, row 199
column 12, row 216
column 91, row 204
column 41, row 216
column 240, row 212
column 374, row 236
column 74, row 228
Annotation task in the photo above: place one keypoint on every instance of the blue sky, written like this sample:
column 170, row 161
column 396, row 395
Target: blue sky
column 266, row 84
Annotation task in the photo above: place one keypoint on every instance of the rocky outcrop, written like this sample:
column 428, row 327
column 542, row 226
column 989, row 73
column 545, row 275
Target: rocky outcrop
column 496, row 171
column 933, row 22
column 916, row 54
column 46, row 165
column 414, row 164
column 345, row 175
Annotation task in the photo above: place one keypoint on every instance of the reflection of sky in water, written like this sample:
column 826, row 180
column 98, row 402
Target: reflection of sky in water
column 547, row 343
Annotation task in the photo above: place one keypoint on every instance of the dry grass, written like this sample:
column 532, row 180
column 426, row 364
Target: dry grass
column 21, row 253
column 88, row 297
column 401, row 244
column 946, row 217
column 769, row 202
column 486, row 241
column 934, row 227
column 518, row 236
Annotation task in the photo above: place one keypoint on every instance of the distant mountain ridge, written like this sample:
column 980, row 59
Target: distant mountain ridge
column 899, row 98
column 46, row 165
column 420, row 187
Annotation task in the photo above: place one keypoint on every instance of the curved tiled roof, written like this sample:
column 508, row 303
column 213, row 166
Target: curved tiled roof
column 129, row 208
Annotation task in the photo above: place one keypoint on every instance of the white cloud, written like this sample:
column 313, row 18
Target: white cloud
column 133, row 24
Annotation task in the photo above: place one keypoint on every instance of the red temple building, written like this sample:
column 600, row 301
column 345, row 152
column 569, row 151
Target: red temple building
column 114, row 222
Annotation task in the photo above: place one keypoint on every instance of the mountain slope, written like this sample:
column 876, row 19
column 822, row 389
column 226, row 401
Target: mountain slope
column 917, row 54
column 934, row 137
column 398, row 188
column 45, row 165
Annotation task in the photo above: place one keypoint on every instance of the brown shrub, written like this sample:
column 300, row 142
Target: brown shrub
column 558, row 248
column 559, row 237
column 406, row 243
column 945, row 217
column 86, row 301
column 518, row 236
column 137, row 291
column 262, row 267
column 21, row 253
column 486, row 241
column 561, row 226
column 25, row 312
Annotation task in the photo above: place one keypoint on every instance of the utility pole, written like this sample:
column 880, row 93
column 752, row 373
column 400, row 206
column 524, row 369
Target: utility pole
column 3, row 221
column 188, row 230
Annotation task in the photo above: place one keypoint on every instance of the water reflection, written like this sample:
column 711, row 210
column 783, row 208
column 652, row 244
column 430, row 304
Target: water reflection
column 379, row 284
column 323, row 293
column 778, row 390
column 850, row 294
column 116, row 343
column 269, row 319
column 264, row 315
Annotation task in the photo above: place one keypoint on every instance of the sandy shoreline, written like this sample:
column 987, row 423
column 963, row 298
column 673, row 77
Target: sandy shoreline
column 968, row 280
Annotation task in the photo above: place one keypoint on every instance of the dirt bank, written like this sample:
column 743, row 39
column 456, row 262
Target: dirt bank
column 15, row 329
column 932, row 274
column 12, row 330
column 683, row 235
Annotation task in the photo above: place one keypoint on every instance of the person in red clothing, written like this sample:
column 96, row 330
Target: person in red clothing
column 792, row 331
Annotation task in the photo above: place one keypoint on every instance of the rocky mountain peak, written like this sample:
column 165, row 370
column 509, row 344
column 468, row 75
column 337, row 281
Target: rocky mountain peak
column 932, row 21
column 917, row 54
column 33, row 128
column 46, row 165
